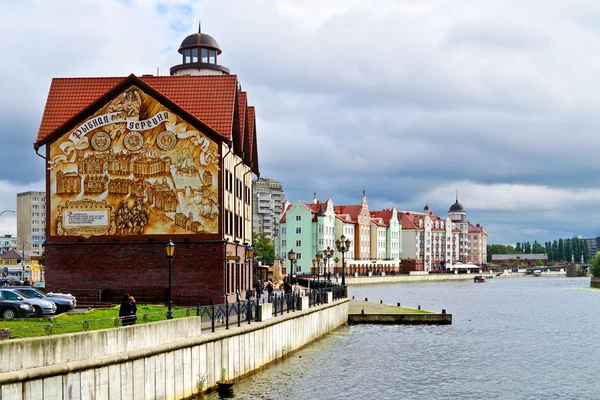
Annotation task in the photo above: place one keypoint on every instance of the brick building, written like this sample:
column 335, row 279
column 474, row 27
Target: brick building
column 106, row 230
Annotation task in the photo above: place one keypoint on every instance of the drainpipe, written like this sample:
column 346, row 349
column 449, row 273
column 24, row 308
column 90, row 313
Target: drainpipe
column 222, row 218
column 235, row 224
column 244, row 215
column 36, row 147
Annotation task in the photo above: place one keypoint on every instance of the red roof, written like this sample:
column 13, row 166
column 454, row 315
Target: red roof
column 409, row 220
column 352, row 211
column 209, row 98
column 345, row 218
column 242, row 107
column 253, row 148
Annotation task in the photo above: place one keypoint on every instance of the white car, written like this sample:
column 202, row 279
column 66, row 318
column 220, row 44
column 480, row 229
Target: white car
column 40, row 306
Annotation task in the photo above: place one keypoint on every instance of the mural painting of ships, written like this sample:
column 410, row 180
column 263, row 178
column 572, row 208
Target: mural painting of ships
column 134, row 168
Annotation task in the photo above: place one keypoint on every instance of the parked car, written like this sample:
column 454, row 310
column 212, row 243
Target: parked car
column 40, row 284
column 63, row 302
column 40, row 306
column 10, row 309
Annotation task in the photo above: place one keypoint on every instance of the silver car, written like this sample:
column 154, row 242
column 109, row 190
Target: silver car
column 40, row 306
column 64, row 302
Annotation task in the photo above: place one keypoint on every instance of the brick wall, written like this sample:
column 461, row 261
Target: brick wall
column 142, row 270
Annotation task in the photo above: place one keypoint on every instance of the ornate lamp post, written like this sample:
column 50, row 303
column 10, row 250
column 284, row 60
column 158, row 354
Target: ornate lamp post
column 318, row 258
column 291, row 256
column 327, row 254
column 343, row 245
column 170, row 249
column 249, row 255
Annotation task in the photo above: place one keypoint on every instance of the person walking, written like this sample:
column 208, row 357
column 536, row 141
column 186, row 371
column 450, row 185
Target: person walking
column 128, row 310
column 270, row 289
column 258, row 287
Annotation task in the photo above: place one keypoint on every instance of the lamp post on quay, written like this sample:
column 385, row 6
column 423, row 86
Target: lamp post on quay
column 343, row 246
column 249, row 255
column 291, row 256
column 170, row 249
column 318, row 257
column 327, row 254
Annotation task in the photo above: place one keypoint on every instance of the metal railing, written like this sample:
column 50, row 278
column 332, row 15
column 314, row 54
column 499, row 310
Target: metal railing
column 213, row 316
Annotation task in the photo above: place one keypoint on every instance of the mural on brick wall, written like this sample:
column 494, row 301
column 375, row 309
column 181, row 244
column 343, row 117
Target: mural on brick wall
column 133, row 168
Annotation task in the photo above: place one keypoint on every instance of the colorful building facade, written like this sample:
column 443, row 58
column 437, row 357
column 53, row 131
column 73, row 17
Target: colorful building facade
column 136, row 161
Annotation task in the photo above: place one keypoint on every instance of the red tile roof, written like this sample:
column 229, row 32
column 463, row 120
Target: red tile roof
column 345, row 218
column 475, row 229
column 210, row 99
column 252, row 140
column 242, row 108
column 352, row 210
column 386, row 215
column 410, row 220
column 379, row 221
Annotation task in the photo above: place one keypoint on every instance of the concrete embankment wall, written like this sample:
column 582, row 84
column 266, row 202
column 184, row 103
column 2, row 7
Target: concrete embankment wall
column 361, row 280
column 159, row 360
column 424, row 277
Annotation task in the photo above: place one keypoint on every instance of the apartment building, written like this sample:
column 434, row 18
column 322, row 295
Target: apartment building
column 7, row 243
column 31, row 222
column 267, row 207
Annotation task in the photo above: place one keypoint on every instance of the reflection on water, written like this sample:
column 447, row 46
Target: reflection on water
column 529, row 338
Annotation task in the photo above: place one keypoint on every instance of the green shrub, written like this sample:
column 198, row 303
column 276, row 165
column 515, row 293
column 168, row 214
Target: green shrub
column 595, row 265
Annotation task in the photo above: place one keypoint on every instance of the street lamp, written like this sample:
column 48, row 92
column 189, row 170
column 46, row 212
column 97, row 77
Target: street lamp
column 249, row 255
column 318, row 258
column 327, row 254
column 170, row 249
column 343, row 245
column 291, row 256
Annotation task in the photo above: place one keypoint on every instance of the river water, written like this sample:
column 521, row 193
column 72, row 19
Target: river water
column 518, row 338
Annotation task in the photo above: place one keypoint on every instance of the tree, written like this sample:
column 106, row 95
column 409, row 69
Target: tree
column 568, row 253
column 561, row 250
column 538, row 248
column 527, row 248
column 585, row 250
column 264, row 250
column 539, row 263
column 555, row 253
column 518, row 248
column 595, row 265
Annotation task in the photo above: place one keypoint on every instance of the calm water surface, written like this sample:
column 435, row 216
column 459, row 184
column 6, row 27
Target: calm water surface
column 523, row 338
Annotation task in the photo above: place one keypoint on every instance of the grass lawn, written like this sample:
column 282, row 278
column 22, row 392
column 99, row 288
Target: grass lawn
column 356, row 307
column 70, row 322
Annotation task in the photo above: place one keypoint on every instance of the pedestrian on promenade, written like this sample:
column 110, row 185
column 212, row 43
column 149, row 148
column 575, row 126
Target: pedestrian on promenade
column 26, row 282
column 258, row 287
column 270, row 289
column 128, row 310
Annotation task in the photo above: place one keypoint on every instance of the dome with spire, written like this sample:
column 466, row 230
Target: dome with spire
column 199, row 40
column 199, row 53
column 456, row 207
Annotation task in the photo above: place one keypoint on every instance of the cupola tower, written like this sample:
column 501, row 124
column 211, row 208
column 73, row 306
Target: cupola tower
column 199, row 53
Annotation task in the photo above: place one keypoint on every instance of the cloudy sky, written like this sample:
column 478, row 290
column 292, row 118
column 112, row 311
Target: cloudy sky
column 410, row 100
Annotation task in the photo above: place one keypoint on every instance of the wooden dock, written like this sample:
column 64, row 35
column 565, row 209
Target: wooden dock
column 366, row 312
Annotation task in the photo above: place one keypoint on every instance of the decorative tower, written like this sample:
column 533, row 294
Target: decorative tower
column 199, row 53
column 458, row 215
